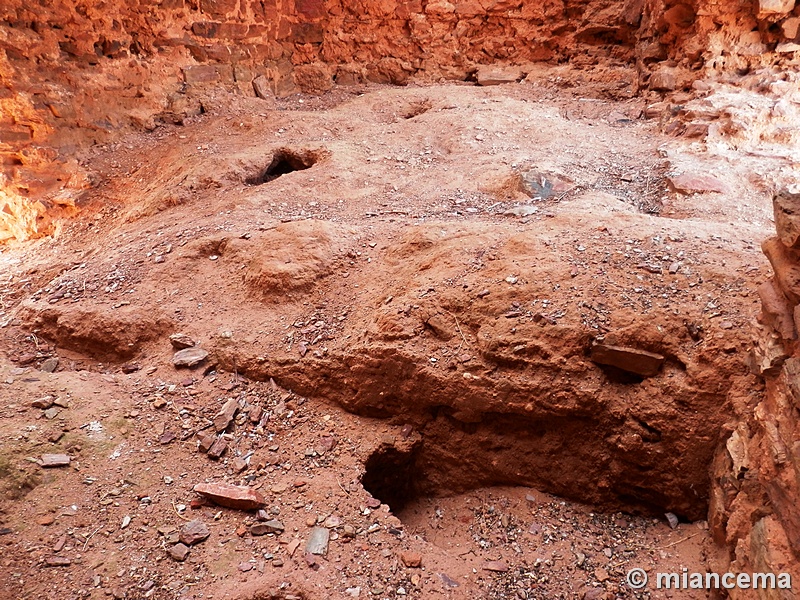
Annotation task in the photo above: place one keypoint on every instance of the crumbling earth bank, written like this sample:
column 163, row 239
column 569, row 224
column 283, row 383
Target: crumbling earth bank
column 492, row 332
column 441, row 340
column 484, row 294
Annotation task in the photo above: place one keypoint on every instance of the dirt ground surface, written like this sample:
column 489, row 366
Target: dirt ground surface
column 399, row 291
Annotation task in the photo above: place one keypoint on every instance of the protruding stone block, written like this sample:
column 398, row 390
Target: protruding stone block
column 776, row 309
column 775, row 7
column 493, row 75
column 218, row 8
column 632, row 360
column 313, row 79
column 786, row 265
column 786, row 208
column 768, row 355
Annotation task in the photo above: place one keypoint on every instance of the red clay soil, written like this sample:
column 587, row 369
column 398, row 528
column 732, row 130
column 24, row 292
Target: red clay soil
column 403, row 333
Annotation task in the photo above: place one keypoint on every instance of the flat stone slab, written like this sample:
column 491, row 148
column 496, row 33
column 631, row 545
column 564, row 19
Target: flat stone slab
column 49, row 461
column 497, row 566
column 632, row 360
column 231, row 496
column 786, row 47
column 218, row 448
column 189, row 357
column 57, row 561
column 272, row 526
column 696, row 183
column 318, row 541
column 262, row 88
column 491, row 75
column 224, row 417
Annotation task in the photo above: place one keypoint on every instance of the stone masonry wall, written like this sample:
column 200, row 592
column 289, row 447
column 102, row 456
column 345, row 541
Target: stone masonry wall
column 74, row 72
column 755, row 493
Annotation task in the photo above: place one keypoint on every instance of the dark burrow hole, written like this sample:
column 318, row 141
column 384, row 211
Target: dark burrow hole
column 285, row 161
column 554, row 455
column 389, row 476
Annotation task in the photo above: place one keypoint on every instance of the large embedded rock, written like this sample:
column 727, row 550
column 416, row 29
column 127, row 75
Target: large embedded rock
column 516, row 370
column 318, row 541
column 776, row 310
column 632, row 360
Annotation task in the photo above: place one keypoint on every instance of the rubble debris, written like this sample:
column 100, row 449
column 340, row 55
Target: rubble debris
column 226, row 414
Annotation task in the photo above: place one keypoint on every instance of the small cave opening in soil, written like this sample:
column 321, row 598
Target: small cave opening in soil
column 285, row 161
column 389, row 476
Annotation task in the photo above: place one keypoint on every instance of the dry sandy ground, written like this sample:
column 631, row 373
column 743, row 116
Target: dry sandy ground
column 415, row 193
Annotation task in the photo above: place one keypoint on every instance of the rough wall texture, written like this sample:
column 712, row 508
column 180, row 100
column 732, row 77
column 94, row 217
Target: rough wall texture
column 74, row 72
column 754, row 513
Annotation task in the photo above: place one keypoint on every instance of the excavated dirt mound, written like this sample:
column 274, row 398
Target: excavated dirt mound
column 406, row 295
